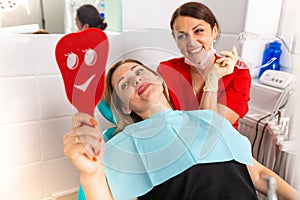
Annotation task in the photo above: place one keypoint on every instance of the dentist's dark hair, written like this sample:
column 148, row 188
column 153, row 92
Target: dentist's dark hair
column 195, row 10
column 88, row 14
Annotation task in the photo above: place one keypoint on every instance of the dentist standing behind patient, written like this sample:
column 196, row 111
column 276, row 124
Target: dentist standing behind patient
column 195, row 30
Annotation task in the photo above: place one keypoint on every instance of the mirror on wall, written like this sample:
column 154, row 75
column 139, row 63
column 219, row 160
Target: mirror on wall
column 70, row 11
column 57, row 16
column 111, row 10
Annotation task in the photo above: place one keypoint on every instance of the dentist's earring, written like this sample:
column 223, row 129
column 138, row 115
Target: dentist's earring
column 213, row 35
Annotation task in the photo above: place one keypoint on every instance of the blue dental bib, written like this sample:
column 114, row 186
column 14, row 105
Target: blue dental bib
column 150, row 152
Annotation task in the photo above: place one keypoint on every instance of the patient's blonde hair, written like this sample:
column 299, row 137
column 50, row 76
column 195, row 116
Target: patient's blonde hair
column 114, row 101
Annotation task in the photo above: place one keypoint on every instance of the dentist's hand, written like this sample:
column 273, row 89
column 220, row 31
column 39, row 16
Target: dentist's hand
column 223, row 66
column 227, row 62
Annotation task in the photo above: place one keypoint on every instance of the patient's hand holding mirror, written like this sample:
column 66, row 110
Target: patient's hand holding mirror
column 82, row 58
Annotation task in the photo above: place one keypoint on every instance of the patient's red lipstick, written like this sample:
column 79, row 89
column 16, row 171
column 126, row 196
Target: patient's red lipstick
column 143, row 87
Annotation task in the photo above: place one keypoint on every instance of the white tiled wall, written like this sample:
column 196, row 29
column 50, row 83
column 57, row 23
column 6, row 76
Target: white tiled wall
column 34, row 111
column 22, row 182
column 148, row 14
column 232, row 23
column 19, row 101
column 149, row 45
column 35, row 115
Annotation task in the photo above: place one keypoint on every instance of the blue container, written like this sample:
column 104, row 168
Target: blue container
column 102, row 9
column 272, row 50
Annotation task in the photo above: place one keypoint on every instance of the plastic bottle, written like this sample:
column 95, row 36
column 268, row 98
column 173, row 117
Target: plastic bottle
column 272, row 51
column 102, row 9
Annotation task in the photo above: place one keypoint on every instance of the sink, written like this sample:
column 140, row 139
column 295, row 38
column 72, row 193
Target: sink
column 262, row 98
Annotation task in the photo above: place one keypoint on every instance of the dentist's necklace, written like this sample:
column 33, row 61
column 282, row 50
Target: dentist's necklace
column 197, row 81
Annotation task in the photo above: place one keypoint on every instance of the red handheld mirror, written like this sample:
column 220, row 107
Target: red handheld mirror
column 82, row 58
